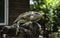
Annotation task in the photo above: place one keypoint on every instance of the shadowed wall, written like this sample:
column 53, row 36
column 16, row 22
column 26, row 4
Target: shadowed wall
column 16, row 7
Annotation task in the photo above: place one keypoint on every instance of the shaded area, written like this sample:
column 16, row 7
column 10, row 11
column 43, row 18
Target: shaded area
column 1, row 11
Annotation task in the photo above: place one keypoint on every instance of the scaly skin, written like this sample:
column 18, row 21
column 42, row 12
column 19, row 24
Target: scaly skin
column 28, row 16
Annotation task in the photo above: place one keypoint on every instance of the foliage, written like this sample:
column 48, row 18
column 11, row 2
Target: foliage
column 51, row 11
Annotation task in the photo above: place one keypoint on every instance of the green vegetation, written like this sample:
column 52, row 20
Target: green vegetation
column 51, row 10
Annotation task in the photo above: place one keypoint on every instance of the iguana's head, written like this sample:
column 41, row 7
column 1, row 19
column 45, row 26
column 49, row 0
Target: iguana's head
column 29, row 16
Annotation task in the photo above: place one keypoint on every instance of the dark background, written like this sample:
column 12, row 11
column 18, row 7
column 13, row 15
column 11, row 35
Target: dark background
column 16, row 7
column 1, row 11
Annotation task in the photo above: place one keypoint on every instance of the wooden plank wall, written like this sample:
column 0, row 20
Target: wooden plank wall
column 16, row 7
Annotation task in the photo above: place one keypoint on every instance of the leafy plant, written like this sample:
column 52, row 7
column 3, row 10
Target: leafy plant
column 50, row 9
